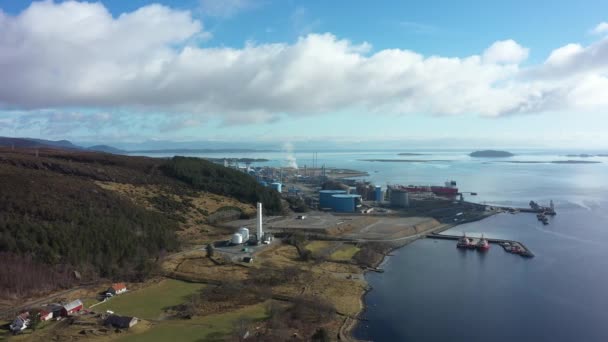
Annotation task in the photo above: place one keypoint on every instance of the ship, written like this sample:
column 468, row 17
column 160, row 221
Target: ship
column 541, row 217
column 483, row 244
column 465, row 242
column 516, row 249
column 449, row 189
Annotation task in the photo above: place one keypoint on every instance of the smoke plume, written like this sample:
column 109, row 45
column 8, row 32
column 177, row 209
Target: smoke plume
column 290, row 158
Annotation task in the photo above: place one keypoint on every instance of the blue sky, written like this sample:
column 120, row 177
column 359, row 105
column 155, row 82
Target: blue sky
column 512, row 73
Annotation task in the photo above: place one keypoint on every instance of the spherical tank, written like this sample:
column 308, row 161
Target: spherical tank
column 245, row 233
column 237, row 239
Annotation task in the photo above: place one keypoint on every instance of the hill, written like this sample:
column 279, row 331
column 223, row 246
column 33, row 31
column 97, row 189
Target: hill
column 107, row 215
column 36, row 143
column 54, row 144
column 106, row 149
column 491, row 154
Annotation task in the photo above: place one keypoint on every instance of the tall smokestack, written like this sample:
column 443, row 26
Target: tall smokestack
column 260, row 232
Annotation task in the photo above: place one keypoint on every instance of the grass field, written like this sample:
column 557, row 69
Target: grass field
column 148, row 303
column 208, row 328
column 345, row 252
column 317, row 246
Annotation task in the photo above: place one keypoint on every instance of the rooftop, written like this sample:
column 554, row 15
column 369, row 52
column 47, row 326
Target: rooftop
column 346, row 196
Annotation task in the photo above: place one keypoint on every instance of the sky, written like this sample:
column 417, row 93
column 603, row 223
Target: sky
column 388, row 73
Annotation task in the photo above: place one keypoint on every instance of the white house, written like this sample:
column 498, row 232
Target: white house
column 20, row 323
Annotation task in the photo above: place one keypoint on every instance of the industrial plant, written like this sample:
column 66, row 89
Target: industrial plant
column 243, row 237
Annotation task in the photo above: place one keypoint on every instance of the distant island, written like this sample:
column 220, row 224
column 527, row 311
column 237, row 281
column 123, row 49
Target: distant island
column 411, row 154
column 553, row 162
column 405, row 160
column 585, row 155
column 202, row 150
column 491, row 154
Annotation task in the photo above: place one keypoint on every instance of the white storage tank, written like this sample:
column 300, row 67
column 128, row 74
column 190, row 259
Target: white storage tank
column 245, row 233
column 237, row 239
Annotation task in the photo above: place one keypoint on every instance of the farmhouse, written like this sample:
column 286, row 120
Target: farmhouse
column 71, row 308
column 116, row 289
column 20, row 323
column 46, row 315
column 122, row 322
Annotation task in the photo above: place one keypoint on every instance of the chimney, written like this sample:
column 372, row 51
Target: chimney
column 260, row 232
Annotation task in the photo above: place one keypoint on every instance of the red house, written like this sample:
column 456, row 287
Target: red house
column 46, row 315
column 71, row 308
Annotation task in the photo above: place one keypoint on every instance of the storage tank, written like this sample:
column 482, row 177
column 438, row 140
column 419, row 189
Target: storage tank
column 245, row 233
column 237, row 239
column 400, row 199
column 325, row 197
column 379, row 197
column 345, row 203
column 277, row 186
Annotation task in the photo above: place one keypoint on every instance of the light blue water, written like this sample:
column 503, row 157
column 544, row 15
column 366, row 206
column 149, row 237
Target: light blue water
column 433, row 292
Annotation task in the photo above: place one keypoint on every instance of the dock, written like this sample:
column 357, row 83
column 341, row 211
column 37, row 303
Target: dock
column 509, row 246
column 534, row 208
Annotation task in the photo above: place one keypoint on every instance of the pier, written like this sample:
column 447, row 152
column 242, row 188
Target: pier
column 510, row 246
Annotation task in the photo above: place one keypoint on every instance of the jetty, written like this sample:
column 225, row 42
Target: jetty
column 510, row 246
column 534, row 208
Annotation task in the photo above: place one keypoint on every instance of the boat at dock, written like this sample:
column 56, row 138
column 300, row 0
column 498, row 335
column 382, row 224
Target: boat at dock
column 465, row 242
column 509, row 246
column 542, row 218
column 483, row 244
column 448, row 190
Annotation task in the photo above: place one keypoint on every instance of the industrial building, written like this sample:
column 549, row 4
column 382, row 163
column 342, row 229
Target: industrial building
column 243, row 236
column 277, row 186
column 400, row 198
column 325, row 197
column 379, row 194
column 339, row 200
column 345, row 203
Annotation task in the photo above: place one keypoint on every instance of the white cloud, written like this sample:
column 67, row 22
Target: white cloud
column 69, row 54
column 601, row 28
column 564, row 54
column 505, row 51
column 225, row 8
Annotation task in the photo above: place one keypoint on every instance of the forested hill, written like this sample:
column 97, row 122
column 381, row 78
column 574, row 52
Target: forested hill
column 104, row 215
column 214, row 178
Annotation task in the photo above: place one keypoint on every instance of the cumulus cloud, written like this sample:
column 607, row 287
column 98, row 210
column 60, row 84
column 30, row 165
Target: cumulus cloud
column 505, row 51
column 71, row 54
column 601, row 28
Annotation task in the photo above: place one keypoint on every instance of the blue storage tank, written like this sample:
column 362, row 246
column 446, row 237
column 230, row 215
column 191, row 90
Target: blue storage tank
column 263, row 183
column 344, row 203
column 277, row 186
column 325, row 197
column 379, row 194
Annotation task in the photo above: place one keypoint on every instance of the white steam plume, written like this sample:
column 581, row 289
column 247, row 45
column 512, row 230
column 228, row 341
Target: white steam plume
column 290, row 158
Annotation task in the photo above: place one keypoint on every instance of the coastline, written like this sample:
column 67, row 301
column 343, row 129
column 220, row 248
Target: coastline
column 350, row 324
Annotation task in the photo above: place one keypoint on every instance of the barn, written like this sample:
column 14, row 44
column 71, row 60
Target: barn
column 71, row 307
column 122, row 322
